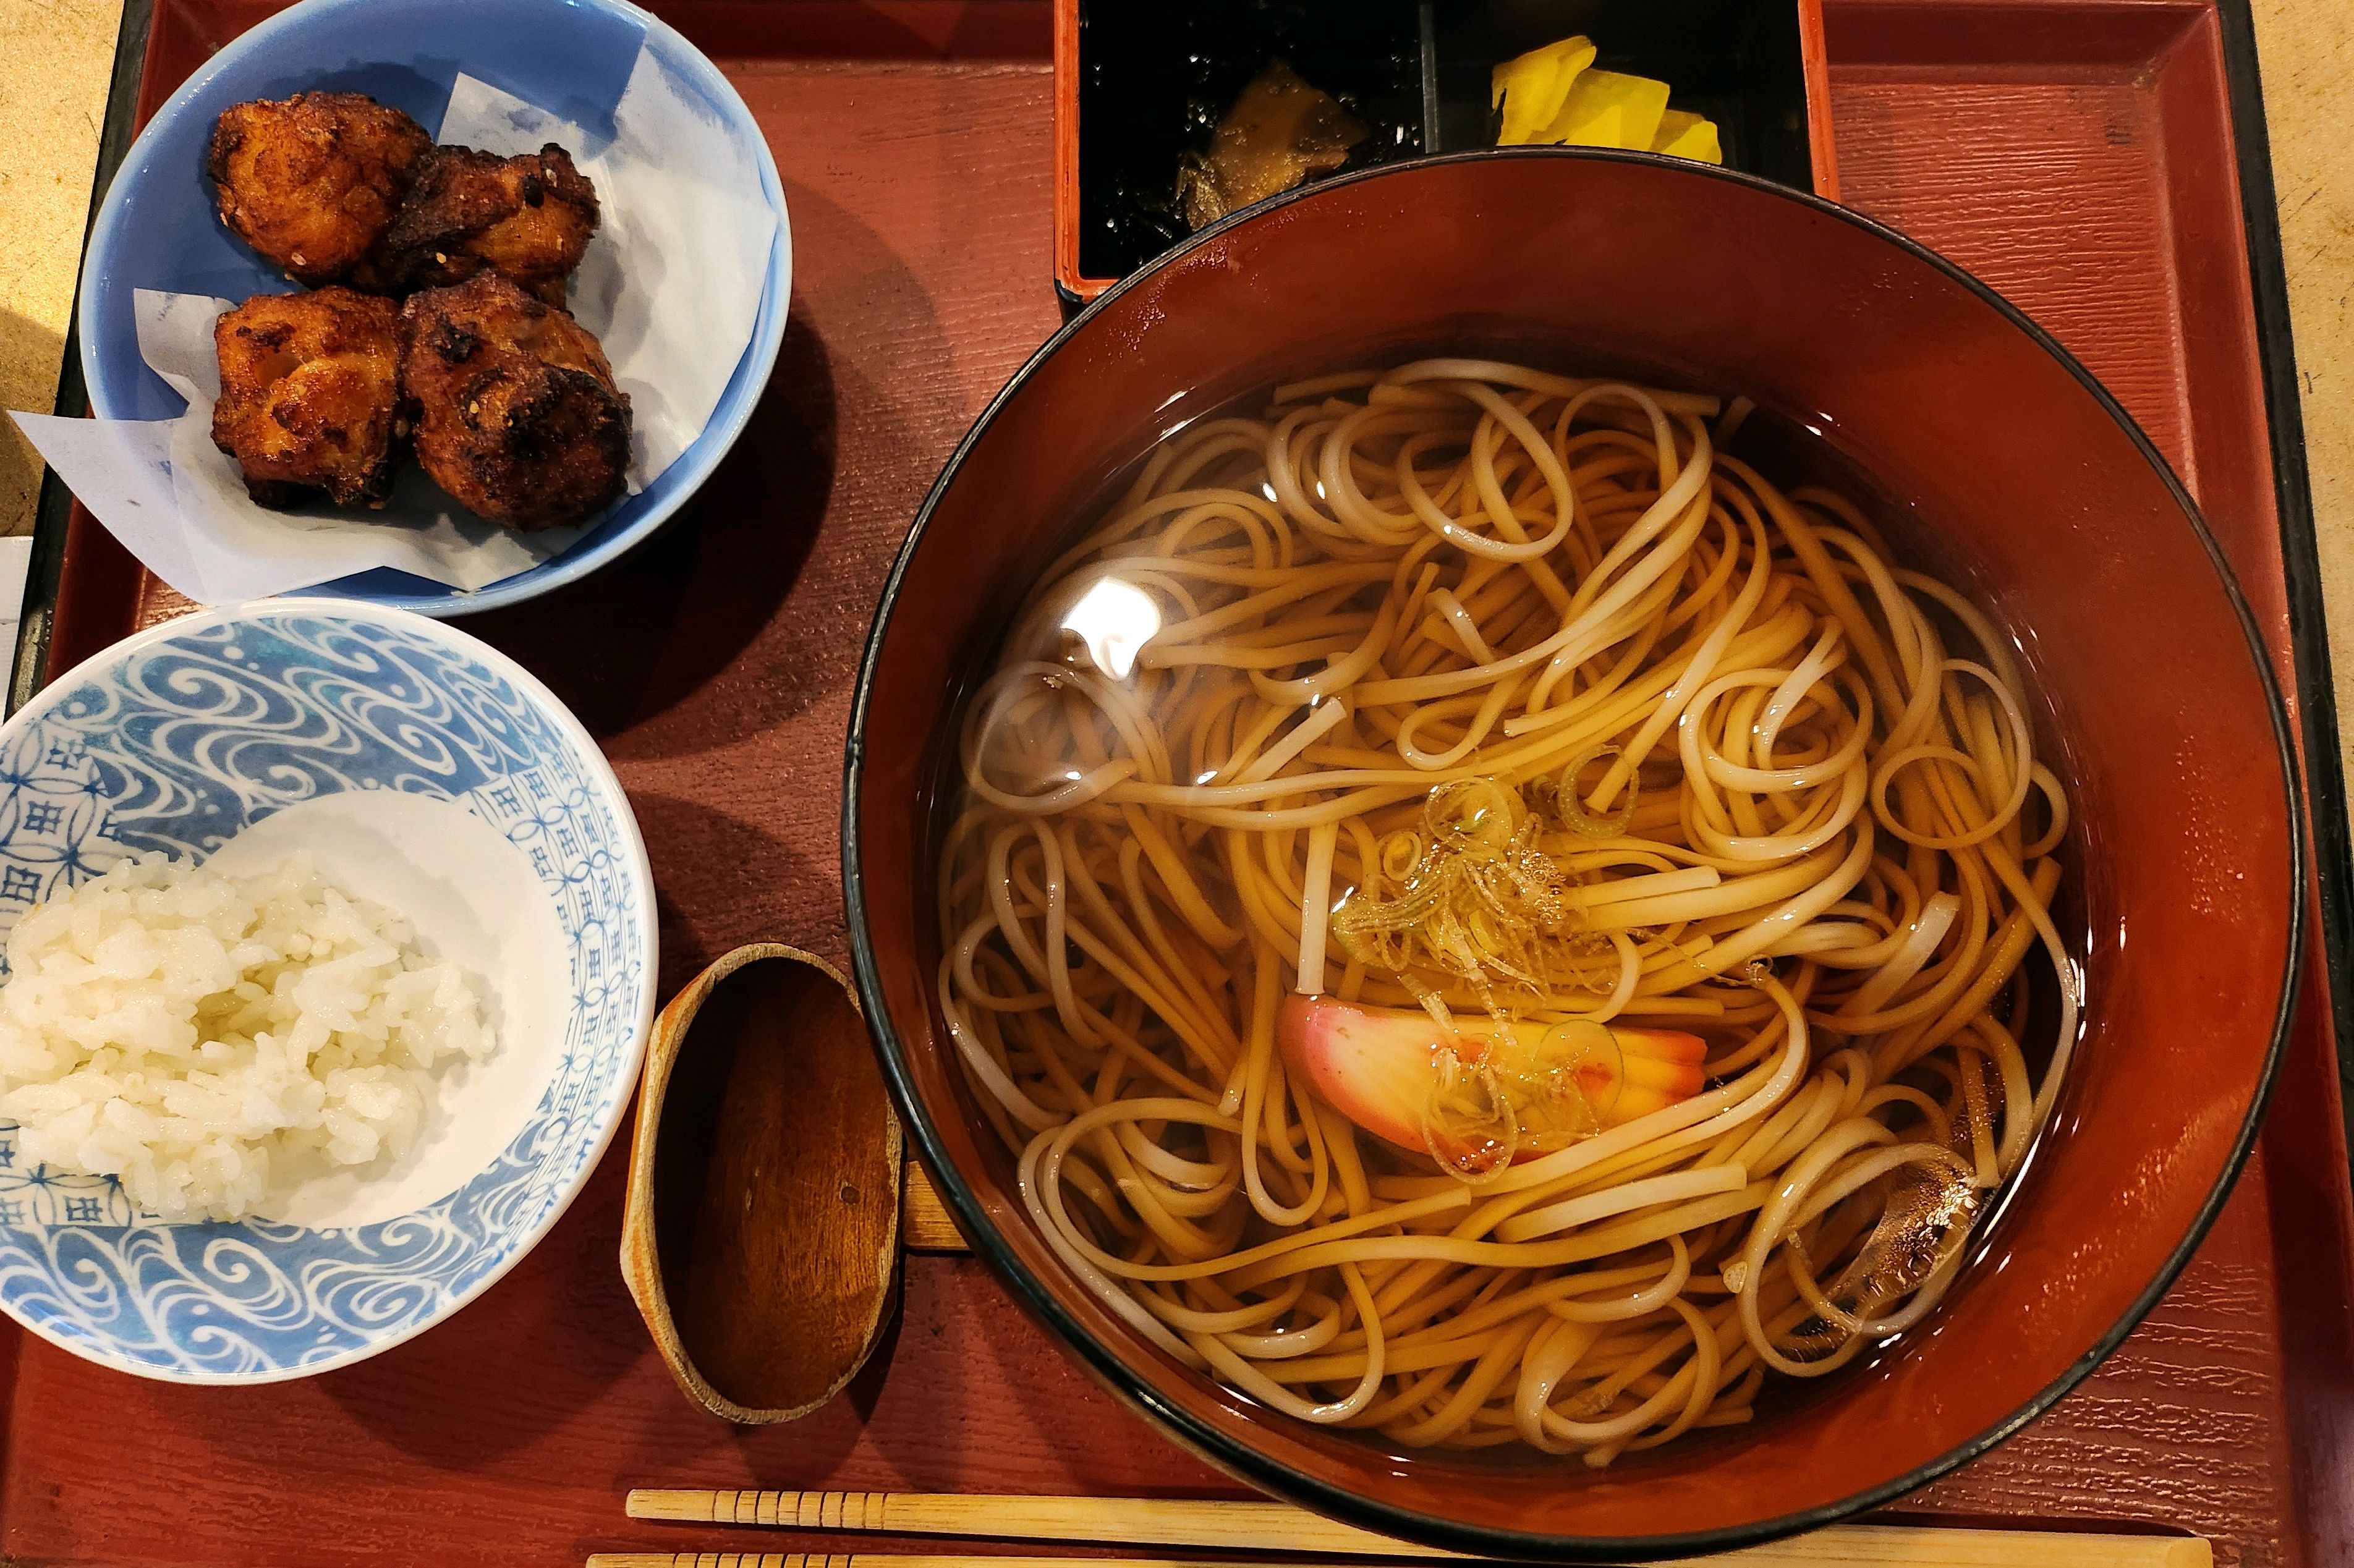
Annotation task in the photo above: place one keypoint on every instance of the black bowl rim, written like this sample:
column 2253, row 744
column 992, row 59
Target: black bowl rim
column 1272, row 1476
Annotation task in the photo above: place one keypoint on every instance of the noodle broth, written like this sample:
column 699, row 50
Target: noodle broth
column 1498, row 973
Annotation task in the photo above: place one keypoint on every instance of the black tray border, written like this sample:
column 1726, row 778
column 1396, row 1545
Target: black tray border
column 2317, row 694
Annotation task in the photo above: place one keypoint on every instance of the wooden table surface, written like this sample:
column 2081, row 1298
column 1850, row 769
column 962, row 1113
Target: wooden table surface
column 55, row 57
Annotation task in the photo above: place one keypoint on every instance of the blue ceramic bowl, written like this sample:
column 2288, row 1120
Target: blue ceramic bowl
column 428, row 772
column 157, row 229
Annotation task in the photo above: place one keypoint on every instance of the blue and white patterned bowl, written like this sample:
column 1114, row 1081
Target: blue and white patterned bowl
column 425, row 769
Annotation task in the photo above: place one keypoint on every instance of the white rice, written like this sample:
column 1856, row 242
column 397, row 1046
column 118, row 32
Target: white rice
column 179, row 1029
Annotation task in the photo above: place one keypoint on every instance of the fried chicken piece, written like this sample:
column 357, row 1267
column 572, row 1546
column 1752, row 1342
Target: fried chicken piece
column 312, row 182
column 517, row 416
column 527, row 217
column 310, row 397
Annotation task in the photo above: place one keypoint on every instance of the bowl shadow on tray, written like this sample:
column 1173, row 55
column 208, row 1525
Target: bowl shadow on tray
column 671, row 614
column 753, row 886
column 566, row 1282
column 691, row 1447
column 977, row 1363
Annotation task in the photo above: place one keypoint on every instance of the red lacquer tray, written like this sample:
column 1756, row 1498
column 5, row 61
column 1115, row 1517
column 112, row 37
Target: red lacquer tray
column 2079, row 154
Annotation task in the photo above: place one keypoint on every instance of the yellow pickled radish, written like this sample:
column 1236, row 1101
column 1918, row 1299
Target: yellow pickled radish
column 1605, row 108
column 1530, row 87
column 1682, row 135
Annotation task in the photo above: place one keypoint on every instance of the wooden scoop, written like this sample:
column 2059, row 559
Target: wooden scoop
column 761, row 1237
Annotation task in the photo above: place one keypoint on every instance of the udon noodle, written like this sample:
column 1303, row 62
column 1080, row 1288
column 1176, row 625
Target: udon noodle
column 1696, row 850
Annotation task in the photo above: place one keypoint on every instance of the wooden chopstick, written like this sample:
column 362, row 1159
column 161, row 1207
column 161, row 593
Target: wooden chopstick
column 2025, row 1549
column 2030, row 1548
column 1227, row 1526
column 886, row 1560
